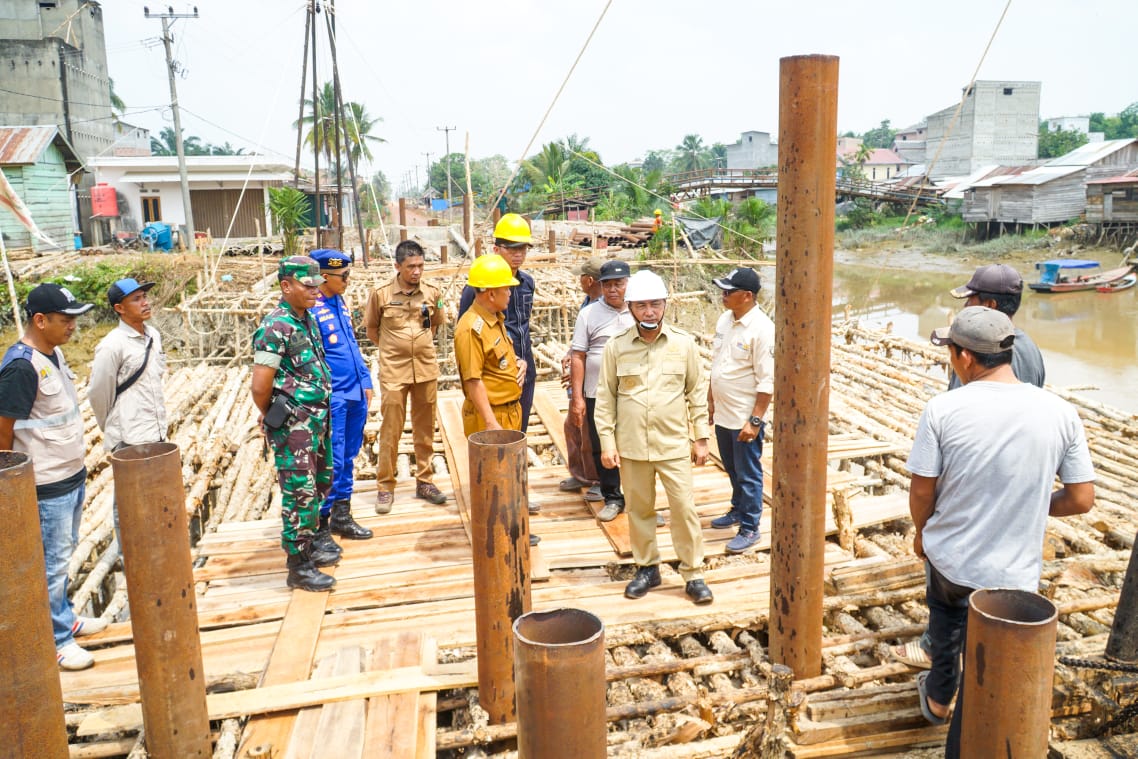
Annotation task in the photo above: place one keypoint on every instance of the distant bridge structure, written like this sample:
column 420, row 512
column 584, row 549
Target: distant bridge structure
column 690, row 185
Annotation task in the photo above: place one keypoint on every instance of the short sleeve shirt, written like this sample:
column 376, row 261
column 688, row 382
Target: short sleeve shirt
column 595, row 325
column 518, row 314
column 405, row 321
column 742, row 365
column 291, row 344
column 483, row 350
column 350, row 375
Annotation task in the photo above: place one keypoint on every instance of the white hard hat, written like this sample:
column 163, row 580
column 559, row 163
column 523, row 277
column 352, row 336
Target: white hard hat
column 645, row 285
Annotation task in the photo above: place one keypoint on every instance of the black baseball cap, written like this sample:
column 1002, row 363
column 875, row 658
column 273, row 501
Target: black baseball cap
column 50, row 298
column 994, row 278
column 118, row 292
column 614, row 270
column 740, row 279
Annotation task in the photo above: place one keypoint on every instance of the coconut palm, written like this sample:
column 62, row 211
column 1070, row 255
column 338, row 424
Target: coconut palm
column 693, row 153
column 547, row 167
column 356, row 126
column 167, row 144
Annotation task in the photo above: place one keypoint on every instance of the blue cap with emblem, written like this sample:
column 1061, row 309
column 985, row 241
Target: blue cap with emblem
column 331, row 259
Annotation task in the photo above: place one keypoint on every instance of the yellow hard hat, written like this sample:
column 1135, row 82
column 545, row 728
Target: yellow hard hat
column 491, row 271
column 513, row 228
column 658, row 212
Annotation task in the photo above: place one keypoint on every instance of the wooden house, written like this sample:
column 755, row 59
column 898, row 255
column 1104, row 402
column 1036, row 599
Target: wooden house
column 42, row 168
column 1055, row 192
column 1113, row 200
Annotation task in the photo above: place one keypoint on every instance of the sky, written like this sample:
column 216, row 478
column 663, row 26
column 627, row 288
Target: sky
column 654, row 71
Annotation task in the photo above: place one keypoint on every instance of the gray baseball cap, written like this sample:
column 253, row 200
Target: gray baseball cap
column 979, row 329
column 994, row 278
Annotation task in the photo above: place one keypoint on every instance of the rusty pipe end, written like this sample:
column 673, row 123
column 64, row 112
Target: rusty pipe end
column 143, row 452
column 560, row 627
column 496, row 437
column 1018, row 608
column 12, row 460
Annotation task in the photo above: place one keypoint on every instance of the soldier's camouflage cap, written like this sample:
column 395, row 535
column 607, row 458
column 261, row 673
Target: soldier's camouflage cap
column 305, row 270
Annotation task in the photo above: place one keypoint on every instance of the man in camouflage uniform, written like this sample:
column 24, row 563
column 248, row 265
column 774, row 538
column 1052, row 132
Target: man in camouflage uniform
column 291, row 388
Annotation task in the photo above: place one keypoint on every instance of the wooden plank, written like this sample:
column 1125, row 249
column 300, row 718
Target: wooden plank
column 881, row 743
column 340, row 732
column 297, row 695
column 552, row 418
column 303, row 737
column 289, row 661
column 388, row 717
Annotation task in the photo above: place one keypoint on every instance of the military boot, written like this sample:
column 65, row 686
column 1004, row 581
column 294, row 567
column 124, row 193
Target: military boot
column 323, row 541
column 303, row 574
column 344, row 525
column 321, row 556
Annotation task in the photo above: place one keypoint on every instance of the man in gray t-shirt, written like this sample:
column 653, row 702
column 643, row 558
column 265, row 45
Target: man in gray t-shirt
column 983, row 463
column 595, row 325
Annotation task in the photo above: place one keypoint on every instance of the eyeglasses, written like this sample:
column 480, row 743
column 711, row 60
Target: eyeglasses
column 425, row 312
column 732, row 291
column 343, row 276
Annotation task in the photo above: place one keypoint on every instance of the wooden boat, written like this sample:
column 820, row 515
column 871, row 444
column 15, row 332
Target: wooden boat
column 1119, row 285
column 1054, row 280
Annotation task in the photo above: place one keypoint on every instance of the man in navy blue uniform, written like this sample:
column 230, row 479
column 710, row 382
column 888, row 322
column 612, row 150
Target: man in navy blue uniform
column 351, row 396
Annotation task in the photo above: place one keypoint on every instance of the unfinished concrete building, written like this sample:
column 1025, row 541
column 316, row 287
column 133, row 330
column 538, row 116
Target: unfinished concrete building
column 998, row 124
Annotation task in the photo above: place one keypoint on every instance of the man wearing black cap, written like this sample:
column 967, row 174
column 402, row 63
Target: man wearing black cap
column 999, row 286
column 595, row 325
column 125, row 389
column 983, row 464
column 742, row 381
column 578, row 452
column 39, row 416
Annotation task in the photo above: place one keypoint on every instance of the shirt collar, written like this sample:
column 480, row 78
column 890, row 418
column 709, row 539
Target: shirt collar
column 489, row 316
column 130, row 331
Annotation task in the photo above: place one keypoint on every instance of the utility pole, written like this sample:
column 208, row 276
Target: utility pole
column 167, row 40
column 446, row 195
column 428, row 155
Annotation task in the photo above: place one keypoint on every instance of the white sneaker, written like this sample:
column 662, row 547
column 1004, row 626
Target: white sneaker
column 88, row 626
column 73, row 657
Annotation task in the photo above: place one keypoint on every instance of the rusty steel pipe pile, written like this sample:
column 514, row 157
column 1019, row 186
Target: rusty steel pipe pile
column 807, row 144
column 1009, row 666
column 31, row 707
column 499, row 530
column 155, row 540
column 1122, row 645
column 559, row 673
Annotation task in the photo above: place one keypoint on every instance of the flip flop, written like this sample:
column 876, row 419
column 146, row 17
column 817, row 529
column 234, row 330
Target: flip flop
column 912, row 654
column 925, row 710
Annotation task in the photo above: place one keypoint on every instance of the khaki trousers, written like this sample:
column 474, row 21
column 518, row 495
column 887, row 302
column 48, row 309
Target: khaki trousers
column 508, row 415
column 393, row 408
column 638, row 479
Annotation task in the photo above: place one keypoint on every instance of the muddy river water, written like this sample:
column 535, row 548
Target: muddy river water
column 1089, row 340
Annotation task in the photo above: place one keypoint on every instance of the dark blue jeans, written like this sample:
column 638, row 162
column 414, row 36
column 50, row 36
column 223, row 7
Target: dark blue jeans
column 743, row 462
column 948, row 618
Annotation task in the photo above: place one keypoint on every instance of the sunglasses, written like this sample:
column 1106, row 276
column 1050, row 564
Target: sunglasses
column 343, row 276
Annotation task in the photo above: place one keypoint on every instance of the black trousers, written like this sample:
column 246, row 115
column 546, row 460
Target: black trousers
column 610, row 478
column 948, row 618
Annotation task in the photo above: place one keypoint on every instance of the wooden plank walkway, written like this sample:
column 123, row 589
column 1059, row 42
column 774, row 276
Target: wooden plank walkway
column 413, row 577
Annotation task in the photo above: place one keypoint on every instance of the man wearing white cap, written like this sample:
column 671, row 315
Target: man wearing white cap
column 651, row 417
column 983, row 463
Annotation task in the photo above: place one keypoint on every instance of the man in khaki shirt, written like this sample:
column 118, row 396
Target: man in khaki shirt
column 651, row 417
column 402, row 318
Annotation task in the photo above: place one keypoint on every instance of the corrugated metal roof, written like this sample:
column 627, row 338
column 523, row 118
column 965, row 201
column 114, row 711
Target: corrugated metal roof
column 1038, row 175
column 982, row 177
column 1130, row 177
column 23, row 145
column 201, row 176
column 1092, row 152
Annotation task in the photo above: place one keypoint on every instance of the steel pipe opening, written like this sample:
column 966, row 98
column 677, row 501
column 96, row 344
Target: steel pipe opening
column 31, row 704
column 559, row 674
column 499, row 537
column 155, row 536
column 1009, row 666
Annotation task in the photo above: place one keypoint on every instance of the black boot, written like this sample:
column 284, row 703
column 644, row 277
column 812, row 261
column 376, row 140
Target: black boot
column 645, row 579
column 303, row 574
column 344, row 525
column 322, row 541
column 320, row 553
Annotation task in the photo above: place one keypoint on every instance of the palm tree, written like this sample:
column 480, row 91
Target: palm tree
column 693, row 154
column 356, row 126
column 547, row 167
column 167, row 144
column 118, row 107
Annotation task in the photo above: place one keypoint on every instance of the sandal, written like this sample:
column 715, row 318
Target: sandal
column 912, row 654
column 925, row 709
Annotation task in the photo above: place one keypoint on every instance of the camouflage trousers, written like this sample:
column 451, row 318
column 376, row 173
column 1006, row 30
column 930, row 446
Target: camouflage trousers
column 303, row 456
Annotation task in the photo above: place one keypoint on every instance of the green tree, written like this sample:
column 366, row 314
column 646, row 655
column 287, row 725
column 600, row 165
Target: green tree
column 166, row 144
column 657, row 160
column 1054, row 143
column 693, row 155
column 719, row 155
column 225, row 149
column 118, row 107
column 880, row 137
column 356, row 127
column 1120, row 127
column 289, row 208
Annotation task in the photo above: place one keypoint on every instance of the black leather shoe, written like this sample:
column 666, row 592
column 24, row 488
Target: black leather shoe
column 698, row 592
column 303, row 574
column 645, row 579
column 344, row 525
column 322, row 540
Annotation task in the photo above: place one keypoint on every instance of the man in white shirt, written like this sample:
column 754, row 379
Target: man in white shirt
column 742, row 381
column 125, row 389
column 595, row 325
column 983, row 464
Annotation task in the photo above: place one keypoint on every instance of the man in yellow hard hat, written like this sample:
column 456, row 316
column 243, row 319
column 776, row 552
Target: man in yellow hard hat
column 492, row 373
column 512, row 241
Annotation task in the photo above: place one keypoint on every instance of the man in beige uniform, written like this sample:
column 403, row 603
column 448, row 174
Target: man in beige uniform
column 402, row 318
column 651, row 417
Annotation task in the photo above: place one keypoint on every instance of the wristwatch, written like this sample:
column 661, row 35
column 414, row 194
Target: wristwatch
column 756, row 421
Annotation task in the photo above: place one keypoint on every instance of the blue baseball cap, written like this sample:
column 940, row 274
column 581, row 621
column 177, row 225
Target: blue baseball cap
column 118, row 292
column 330, row 258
